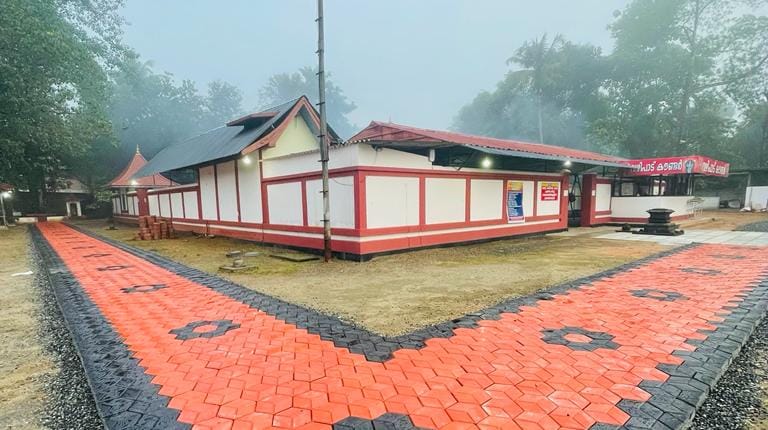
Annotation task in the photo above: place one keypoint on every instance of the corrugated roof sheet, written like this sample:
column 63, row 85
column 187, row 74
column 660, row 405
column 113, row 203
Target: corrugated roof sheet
column 214, row 144
column 390, row 132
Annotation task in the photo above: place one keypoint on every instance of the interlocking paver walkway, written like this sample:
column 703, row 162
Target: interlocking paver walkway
column 728, row 237
column 638, row 349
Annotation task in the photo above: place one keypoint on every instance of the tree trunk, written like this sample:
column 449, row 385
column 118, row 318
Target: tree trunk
column 682, row 119
column 541, row 122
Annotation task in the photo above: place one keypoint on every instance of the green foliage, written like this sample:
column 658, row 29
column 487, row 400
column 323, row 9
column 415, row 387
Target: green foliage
column 53, row 85
column 685, row 76
column 151, row 110
column 287, row 86
column 551, row 100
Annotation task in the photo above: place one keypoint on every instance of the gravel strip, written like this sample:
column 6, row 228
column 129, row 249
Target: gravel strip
column 761, row 226
column 69, row 403
column 737, row 400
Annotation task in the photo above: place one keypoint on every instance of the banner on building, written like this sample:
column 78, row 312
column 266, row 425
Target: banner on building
column 550, row 191
column 679, row 166
column 515, row 213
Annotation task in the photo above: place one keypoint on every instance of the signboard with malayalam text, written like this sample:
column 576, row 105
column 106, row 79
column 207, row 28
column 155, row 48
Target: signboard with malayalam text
column 515, row 212
column 550, row 191
column 694, row 164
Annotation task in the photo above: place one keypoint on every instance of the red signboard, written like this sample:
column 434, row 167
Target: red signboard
column 679, row 166
column 550, row 191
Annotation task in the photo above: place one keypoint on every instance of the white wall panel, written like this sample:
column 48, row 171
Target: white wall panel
column 284, row 203
column 529, row 194
column 131, row 201
column 165, row 205
column 602, row 197
column 250, row 191
column 115, row 206
column 154, row 209
column 391, row 201
column 636, row 207
column 445, row 200
column 485, row 199
column 190, row 205
column 177, row 208
column 342, row 192
column 208, row 193
column 548, row 208
column 225, row 174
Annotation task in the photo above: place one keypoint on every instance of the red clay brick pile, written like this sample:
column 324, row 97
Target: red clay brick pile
column 152, row 227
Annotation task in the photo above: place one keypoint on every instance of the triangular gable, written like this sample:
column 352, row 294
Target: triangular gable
column 126, row 177
column 303, row 108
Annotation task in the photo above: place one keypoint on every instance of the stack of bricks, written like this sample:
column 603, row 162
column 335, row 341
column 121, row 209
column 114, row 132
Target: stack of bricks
column 152, row 227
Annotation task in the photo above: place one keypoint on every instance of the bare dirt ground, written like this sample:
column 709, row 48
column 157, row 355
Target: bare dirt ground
column 723, row 219
column 399, row 293
column 23, row 364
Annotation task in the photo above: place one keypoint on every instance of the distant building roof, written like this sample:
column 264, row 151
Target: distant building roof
column 396, row 135
column 126, row 177
column 240, row 136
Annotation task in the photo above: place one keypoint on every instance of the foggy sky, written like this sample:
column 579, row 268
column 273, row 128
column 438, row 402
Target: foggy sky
column 412, row 61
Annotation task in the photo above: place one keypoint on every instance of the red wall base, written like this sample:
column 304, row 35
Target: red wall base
column 366, row 248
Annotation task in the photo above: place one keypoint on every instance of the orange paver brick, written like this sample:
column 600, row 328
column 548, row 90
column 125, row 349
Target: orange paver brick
column 565, row 362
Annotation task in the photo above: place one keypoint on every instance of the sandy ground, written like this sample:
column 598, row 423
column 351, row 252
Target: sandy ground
column 399, row 293
column 23, row 363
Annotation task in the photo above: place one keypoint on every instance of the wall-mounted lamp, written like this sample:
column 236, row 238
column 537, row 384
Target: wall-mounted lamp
column 247, row 160
column 486, row 163
column 431, row 155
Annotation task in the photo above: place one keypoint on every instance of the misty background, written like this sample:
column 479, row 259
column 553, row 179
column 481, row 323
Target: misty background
column 414, row 62
column 84, row 83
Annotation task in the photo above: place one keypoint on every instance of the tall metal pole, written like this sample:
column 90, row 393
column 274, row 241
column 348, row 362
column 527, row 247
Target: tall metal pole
column 324, row 141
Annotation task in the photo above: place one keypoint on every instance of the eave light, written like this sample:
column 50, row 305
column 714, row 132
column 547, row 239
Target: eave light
column 247, row 160
column 486, row 163
column 567, row 163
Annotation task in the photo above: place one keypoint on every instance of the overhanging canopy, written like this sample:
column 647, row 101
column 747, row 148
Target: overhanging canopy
column 406, row 137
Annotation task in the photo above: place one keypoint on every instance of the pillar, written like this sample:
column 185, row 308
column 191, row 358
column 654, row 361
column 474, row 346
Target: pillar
column 588, row 199
column 141, row 195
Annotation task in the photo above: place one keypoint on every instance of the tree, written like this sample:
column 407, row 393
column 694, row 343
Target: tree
column 222, row 103
column 287, row 86
column 554, row 99
column 674, row 65
column 540, row 70
column 53, row 86
column 152, row 111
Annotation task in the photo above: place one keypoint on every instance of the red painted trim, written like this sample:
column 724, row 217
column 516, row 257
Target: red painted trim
column 422, row 201
column 601, row 213
column 199, row 198
column 535, row 209
column 174, row 189
column 360, row 203
column 216, row 187
column 394, row 171
column 264, row 199
column 237, row 190
column 374, row 246
column 504, row 194
column 304, row 215
column 467, row 200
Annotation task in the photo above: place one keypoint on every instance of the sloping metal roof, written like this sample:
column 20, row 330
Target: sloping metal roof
column 219, row 143
column 401, row 136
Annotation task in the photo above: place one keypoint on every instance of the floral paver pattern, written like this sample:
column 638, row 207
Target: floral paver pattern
column 565, row 362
